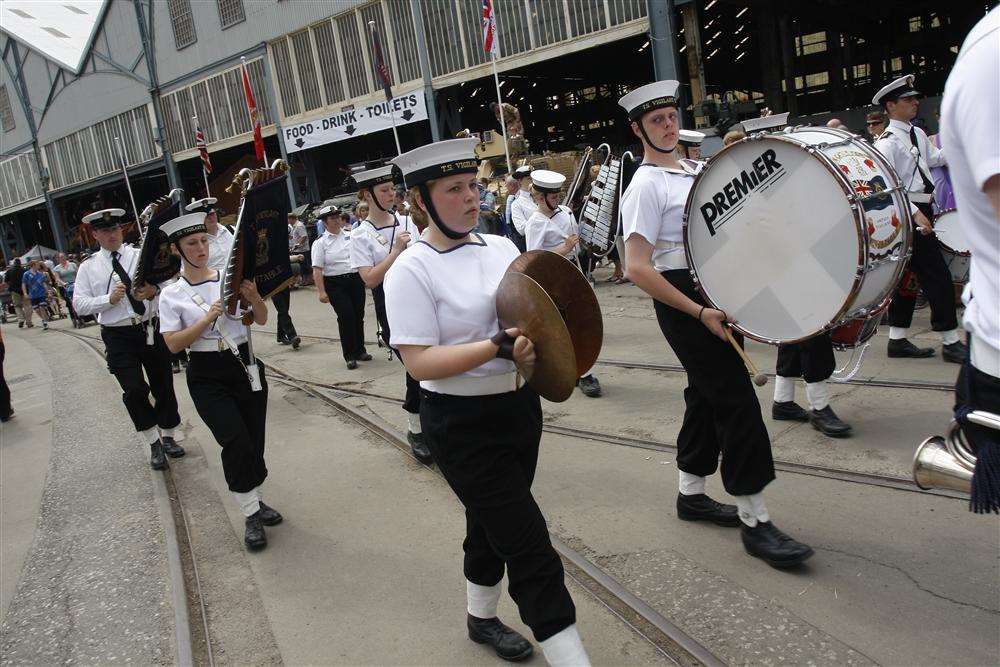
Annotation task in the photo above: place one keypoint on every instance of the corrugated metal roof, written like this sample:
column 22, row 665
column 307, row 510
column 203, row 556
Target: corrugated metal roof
column 60, row 31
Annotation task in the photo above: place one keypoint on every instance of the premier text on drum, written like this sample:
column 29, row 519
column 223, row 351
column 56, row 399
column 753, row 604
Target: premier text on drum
column 766, row 170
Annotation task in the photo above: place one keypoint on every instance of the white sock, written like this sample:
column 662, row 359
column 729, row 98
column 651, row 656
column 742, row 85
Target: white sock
column 751, row 509
column 482, row 600
column 249, row 502
column 151, row 435
column 949, row 337
column 898, row 333
column 168, row 433
column 564, row 649
column 413, row 420
column 818, row 394
column 784, row 389
column 690, row 485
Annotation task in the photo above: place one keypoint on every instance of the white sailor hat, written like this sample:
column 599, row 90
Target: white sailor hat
column 206, row 205
column 437, row 160
column 372, row 177
column 522, row 171
column 691, row 138
column 654, row 95
column 773, row 122
column 327, row 211
column 185, row 225
column 901, row 87
column 105, row 219
column 547, row 181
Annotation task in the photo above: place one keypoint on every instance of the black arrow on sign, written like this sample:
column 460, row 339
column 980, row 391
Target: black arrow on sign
column 300, row 142
column 407, row 115
column 349, row 129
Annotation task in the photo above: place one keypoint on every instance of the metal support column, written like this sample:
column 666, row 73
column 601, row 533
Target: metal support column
column 695, row 64
column 663, row 46
column 273, row 106
column 149, row 53
column 416, row 7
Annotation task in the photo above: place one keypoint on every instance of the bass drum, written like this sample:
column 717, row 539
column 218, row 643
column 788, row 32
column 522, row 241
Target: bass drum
column 955, row 246
column 795, row 232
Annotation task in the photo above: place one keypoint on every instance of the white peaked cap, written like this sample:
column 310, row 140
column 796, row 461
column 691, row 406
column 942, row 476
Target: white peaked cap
column 654, row 95
column 327, row 210
column 192, row 223
column 691, row 137
column 901, row 87
column 437, row 160
column 772, row 122
column 547, row 181
column 105, row 214
column 200, row 204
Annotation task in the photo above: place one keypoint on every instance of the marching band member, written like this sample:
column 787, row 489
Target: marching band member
column 972, row 135
column 376, row 243
column 552, row 227
column 690, row 144
column 722, row 413
column 813, row 361
column 521, row 208
column 219, row 237
column 104, row 288
column 907, row 149
column 340, row 285
column 191, row 317
column 482, row 429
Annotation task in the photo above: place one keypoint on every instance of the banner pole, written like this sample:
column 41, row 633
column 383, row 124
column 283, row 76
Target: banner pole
column 503, row 121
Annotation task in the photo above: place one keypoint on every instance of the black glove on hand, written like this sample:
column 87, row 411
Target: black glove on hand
column 505, row 342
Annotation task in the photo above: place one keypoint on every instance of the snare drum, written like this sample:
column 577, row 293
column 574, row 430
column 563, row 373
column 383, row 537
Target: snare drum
column 796, row 232
column 954, row 245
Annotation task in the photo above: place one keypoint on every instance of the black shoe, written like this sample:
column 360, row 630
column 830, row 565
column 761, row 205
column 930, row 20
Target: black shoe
column 508, row 644
column 828, row 423
column 351, row 365
column 254, row 536
column 766, row 542
column 296, row 341
column 419, row 447
column 788, row 411
column 282, row 341
column 171, row 448
column 175, row 366
column 157, row 461
column 902, row 347
column 269, row 516
column 20, row 325
column 589, row 386
column 955, row 353
column 364, row 356
column 700, row 507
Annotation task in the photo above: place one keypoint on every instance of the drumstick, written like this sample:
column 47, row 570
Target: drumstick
column 759, row 378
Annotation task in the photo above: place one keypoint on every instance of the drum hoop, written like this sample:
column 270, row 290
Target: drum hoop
column 944, row 244
column 862, row 263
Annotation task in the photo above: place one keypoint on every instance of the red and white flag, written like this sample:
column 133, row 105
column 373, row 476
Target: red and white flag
column 199, row 142
column 490, row 37
column 258, row 139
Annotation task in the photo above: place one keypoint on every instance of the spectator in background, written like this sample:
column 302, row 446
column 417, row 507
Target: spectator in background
column 837, row 124
column 732, row 136
column 33, row 289
column 65, row 275
column 22, row 307
column 875, row 125
column 298, row 245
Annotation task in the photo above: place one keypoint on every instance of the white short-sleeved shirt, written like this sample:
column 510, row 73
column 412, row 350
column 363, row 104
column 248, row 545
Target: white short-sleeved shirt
column 522, row 209
column 449, row 298
column 370, row 244
column 178, row 310
column 545, row 233
column 218, row 248
column 332, row 253
column 970, row 132
column 652, row 206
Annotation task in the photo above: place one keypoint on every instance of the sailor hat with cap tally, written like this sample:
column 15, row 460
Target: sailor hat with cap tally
column 691, row 138
column 206, row 205
column 547, row 181
column 438, row 160
column 372, row 177
column 185, row 225
column 105, row 219
column 901, row 87
column 772, row 122
column 652, row 96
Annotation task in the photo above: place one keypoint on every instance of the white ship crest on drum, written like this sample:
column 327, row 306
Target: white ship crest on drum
column 870, row 187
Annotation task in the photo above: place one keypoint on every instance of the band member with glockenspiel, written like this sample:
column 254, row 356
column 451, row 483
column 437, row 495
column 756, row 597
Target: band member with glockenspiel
column 376, row 243
column 482, row 428
column 191, row 318
column 722, row 413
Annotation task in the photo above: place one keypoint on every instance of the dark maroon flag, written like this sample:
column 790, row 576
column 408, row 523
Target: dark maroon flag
column 381, row 69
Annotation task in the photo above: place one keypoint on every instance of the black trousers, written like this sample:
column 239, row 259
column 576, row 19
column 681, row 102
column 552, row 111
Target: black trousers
column 812, row 360
column 347, row 296
column 236, row 415
column 5, row 408
column 286, row 330
column 722, row 413
column 128, row 356
column 411, row 403
column 935, row 282
column 487, row 448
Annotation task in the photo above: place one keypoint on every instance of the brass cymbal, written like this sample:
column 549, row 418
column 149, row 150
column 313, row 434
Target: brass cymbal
column 573, row 297
column 522, row 303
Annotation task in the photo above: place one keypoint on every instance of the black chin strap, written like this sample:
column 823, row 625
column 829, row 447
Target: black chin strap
column 432, row 212
column 642, row 128
column 181, row 253
column 375, row 201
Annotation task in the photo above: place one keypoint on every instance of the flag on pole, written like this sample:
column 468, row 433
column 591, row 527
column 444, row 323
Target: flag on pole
column 258, row 139
column 199, row 142
column 490, row 44
column 381, row 70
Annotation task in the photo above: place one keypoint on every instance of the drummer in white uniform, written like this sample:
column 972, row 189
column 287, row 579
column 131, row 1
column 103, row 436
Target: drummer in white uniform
column 376, row 243
column 689, row 145
column 722, row 413
column 552, row 227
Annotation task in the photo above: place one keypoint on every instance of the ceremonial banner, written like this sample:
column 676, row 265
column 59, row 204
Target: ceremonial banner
column 156, row 263
column 261, row 239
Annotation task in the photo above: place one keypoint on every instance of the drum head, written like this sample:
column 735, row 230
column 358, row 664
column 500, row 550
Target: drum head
column 522, row 303
column 772, row 239
column 950, row 233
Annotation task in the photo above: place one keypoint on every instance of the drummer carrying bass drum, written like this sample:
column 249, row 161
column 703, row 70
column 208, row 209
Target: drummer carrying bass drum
column 722, row 413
